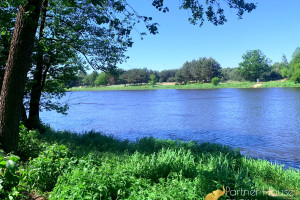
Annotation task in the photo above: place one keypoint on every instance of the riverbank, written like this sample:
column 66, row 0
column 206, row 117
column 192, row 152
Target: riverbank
column 190, row 86
column 63, row 165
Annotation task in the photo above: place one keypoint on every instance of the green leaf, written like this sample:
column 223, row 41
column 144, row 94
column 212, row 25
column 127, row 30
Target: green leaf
column 14, row 158
column 10, row 165
column 2, row 163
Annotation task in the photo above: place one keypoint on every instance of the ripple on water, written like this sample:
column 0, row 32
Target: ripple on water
column 264, row 123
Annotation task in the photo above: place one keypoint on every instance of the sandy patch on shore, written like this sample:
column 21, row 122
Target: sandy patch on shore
column 282, row 80
column 167, row 83
column 256, row 85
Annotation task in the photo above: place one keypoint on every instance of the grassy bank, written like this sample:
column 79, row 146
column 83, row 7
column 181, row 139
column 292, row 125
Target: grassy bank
column 189, row 86
column 280, row 84
column 63, row 165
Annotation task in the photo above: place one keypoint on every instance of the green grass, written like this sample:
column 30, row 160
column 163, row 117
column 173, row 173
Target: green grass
column 97, row 166
column 188, row 86
column 280, row 84
column 148, row 87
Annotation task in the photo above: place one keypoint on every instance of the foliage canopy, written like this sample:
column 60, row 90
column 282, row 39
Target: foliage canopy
column 255, row 64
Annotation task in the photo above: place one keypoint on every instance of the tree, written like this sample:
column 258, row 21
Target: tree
column 136, row 76
column 296, row 52
column 165, row 75
column 7, row 21
column 102, row 79
column 18, row 64
column 49, row 62
column 155, row 73
column 152, row 80
column 295, row 65
column 275, row 73
column 117, row 77
column 203, row 69
column 255, row 64
column 179, row 76
column 210, row 68
column 230, row 74
column 91, row 35
column 197, row 69
column 85, row 23
column 53, row 66
column 187, row 71
column 291, row 70
column 25, row 29
column 89, row 80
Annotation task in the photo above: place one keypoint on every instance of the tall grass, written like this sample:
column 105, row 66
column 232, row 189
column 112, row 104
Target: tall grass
column 97, row 166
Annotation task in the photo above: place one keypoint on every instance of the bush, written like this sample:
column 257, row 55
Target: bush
column 45, row 169
column 215, row 81
column 29, row 145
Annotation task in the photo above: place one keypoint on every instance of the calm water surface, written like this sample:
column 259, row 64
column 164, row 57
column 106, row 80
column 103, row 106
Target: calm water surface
column 263, row 123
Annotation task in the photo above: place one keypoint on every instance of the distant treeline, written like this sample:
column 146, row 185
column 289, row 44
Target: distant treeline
column 203, row 69
column 255, row 66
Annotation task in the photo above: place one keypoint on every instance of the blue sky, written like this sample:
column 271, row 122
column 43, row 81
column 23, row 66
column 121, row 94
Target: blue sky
column 273, row 27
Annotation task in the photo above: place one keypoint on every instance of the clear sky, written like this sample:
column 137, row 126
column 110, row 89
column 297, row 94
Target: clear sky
column 273, row 27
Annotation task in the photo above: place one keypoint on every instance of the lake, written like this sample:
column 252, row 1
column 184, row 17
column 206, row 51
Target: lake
column 262, row 122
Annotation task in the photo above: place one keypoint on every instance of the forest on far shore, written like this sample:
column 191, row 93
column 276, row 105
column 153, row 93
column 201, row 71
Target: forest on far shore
column 255, row 66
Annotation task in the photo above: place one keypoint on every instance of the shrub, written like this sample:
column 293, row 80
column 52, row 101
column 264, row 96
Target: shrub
column 29, row 145
column 45, row 169
column 215, row 81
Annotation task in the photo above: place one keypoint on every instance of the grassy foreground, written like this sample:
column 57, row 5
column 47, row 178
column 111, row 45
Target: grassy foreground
column 63, row 165
column 189, row 86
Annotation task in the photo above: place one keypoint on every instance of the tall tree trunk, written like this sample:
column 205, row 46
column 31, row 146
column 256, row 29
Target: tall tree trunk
column 33, row 121
column 5, row 52
column 15, row 74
